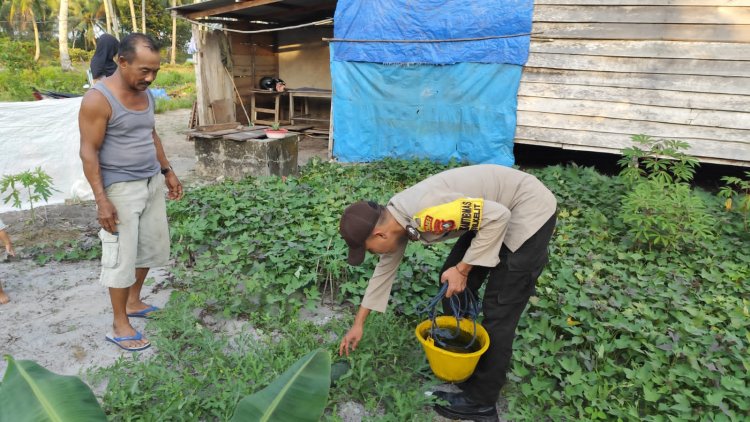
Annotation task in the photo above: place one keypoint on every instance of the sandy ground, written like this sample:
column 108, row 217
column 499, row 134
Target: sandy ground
column 59, row 313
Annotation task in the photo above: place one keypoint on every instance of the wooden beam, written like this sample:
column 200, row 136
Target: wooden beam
column 229, row 8
column 300, row 11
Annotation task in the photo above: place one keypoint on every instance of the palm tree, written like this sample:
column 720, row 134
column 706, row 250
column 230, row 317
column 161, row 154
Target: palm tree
column 174, row 35
column 24, row 9
column 108, row 15
column 62, row 33
column 132, row 15
column 90, row 13
column 115, row 19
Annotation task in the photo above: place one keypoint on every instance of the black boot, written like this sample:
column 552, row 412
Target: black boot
column 460, row 406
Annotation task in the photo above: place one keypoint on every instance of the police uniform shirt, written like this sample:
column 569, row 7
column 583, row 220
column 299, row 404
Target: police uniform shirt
column 502, row 204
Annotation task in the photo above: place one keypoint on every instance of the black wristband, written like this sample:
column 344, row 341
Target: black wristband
column 166, row 170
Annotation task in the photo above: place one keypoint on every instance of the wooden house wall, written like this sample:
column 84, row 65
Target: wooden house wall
column 600, row 71
column 304, row 58
column 253, row 57
column 304, row 62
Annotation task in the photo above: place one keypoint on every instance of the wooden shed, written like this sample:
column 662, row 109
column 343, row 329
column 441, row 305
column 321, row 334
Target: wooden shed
column 240, row 42
column 600, row 71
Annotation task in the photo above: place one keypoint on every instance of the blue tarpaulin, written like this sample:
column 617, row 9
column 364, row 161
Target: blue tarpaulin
column 433, row 20
column 465, row 111
column 437, row 100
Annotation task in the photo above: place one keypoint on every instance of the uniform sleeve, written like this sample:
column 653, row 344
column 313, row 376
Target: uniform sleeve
column 379, row 289
column 485, row 247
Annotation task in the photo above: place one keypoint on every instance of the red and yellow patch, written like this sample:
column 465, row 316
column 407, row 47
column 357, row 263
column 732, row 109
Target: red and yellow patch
column 461, row 214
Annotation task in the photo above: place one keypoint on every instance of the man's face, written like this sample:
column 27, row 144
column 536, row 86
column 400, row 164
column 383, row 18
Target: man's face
column 380, row 245
column 141, row 72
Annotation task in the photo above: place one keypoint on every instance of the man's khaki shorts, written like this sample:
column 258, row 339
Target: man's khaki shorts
column 142, row 239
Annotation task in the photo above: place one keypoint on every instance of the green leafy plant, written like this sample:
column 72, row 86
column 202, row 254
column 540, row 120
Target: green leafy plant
column 37, row 183
column 31, row 393
column 737, row 190
column 661, row 210
column 657, row 159
column 16, row 55
column 660, row 214
column 299, row 394
column 65, row 250
column 80, row 55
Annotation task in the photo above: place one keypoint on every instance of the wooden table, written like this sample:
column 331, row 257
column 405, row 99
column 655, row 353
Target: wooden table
column 305, row 94
column 254, row 110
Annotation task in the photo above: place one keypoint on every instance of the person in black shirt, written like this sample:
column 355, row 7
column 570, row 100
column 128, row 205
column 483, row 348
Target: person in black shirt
column 103, row 63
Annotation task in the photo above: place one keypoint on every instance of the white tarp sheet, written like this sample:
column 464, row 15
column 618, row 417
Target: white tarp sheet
column 43, row 134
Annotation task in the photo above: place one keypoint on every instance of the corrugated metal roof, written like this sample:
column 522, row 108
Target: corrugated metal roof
column 278, row 12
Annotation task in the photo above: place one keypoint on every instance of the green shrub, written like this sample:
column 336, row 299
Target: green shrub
column 172, row 76
column 657, row 159
column 661, row 210
column 19, row 85
column 15, row 85
column 665, row 215
column 54, row 79
column 168, row 104
column 80, row 55
column 736, row 193
column 16, row 55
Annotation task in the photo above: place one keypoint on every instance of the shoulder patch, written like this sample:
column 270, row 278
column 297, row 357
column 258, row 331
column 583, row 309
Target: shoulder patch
column 461, row 214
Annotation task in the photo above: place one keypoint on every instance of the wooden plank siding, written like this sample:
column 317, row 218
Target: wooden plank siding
column 600, row 71
column 253, row 57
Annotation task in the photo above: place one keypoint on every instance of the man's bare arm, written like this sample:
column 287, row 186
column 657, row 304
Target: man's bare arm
column 92, row 124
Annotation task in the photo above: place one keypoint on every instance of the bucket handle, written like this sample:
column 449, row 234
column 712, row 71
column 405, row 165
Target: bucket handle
column 470, row 308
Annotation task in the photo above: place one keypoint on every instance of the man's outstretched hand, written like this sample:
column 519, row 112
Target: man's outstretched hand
column 351, row 340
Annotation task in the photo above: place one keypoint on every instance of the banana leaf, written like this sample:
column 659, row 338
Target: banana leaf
column 299, row 395
column 31, row 393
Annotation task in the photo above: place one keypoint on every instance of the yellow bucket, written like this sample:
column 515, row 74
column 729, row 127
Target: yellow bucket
column 450, row 366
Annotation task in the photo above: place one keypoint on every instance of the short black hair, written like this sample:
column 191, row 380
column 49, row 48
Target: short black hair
column 128, row 44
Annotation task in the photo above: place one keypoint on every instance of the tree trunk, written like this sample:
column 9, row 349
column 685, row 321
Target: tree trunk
column 115, row 19
column 172, row 59
column 62, row 33
column 108, row 15
column 143, row 16
column 132, row 15
column 37, row 50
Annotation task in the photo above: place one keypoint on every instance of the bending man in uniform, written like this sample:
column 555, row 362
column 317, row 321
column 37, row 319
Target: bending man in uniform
column 125, row 164
column 503, row 218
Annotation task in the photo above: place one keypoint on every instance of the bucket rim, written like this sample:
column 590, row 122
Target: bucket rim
column 422, row 326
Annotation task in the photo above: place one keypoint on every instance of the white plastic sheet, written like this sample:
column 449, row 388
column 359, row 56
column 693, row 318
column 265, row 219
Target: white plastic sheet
column 43, row 134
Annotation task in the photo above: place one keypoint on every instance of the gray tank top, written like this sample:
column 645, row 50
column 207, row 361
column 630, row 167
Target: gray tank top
column 128, row 152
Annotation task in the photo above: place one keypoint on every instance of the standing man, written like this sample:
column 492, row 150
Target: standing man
column 503, row 218
column 125, row 164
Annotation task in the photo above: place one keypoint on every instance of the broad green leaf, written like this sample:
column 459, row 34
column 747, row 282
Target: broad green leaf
column 31, row 393
column 298, row 395
column 650, row 394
